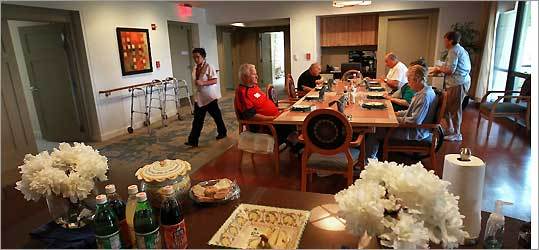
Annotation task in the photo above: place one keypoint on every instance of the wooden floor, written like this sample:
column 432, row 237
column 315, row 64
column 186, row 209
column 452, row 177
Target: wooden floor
column 506, row 152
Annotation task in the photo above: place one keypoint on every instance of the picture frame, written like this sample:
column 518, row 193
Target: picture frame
column 134, row 50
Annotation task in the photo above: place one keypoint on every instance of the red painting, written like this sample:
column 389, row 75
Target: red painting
column 134, row 48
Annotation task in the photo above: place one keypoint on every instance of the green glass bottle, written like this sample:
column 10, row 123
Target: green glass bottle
column 107, row 232
column 146, row 226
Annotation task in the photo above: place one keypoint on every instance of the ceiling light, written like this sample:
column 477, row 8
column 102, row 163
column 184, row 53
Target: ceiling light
column 238, row 24
column 344, row 3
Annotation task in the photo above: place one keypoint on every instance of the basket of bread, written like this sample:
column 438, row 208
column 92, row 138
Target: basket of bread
column 215, row 191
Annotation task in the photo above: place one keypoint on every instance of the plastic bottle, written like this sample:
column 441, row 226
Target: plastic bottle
column 495, row 227
column 118, row 206
column 130, row 212
column 146, row 226
column 107, row 232
column 172, row 221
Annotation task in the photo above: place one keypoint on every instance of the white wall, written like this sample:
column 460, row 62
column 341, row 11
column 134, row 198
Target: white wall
column 23, row 72
column 99, row 22
column 304, row 31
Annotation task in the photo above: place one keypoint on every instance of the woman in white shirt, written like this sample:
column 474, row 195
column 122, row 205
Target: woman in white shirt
column 208, row 91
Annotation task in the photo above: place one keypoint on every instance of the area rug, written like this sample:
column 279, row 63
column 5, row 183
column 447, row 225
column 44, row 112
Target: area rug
column 140, row 148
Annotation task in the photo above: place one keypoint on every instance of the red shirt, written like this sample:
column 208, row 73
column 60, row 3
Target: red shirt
column 251, row 100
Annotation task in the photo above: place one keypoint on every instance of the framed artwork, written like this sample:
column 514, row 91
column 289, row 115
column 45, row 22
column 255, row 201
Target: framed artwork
column 134, row 48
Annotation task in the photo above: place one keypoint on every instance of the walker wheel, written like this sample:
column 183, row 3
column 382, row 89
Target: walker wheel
column 130, row 130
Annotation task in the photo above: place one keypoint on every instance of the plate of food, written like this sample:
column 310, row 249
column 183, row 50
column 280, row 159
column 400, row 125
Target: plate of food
column 312, row 96
column 254, row 226
column 215, row 191
column 374, row 105
column 374, row 88
column 375, row 96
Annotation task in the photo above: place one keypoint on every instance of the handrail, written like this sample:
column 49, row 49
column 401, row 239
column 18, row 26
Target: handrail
column 108, row 91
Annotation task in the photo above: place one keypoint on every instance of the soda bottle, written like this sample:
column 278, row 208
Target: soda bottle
column 172, row 221
column 107, row 232
column 146, row 227
column 130, row 212
column 118, row 206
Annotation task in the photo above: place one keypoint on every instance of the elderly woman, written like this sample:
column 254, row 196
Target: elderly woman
column 457, row 82
column 422, row 109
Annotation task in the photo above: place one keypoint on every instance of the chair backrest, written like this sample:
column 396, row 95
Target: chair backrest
column 526, row 90
column 349, row 73
column 327, row 131
column 272, row 94
column 290, row 86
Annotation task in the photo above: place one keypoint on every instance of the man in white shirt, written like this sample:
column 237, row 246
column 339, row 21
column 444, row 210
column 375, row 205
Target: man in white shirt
column 396, row 77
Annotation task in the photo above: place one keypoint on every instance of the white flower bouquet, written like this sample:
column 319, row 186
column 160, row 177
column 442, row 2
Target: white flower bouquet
column 404, row 206
column 69, row 172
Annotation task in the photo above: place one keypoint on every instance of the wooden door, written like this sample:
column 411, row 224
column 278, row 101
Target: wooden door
column 334, row 31
column 355, row 30
column 179, row 36
column 17, row 136
column 266, row 61
column 369, row 30
column 49, row 72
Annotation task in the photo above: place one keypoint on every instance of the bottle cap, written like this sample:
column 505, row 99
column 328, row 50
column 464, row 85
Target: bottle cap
column 141, row 197
column 101, row 199
column 167, row 190
column 132, row 189
column 109, row 189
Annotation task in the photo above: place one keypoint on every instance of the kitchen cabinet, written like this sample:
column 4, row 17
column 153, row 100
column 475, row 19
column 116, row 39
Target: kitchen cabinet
column 350, row 30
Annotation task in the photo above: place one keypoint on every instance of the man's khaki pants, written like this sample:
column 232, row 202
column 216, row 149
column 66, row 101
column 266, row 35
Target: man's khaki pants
column 453, row 115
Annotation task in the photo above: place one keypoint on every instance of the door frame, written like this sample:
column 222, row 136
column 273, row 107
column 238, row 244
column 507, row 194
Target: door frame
column 385, row 17
column 84, row 93
column 192, row 43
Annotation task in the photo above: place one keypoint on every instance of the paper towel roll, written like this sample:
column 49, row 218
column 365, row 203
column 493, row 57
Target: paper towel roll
column 466, row 178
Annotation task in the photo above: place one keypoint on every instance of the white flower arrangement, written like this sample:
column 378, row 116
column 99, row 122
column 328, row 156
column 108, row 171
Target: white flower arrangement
column 69, row 172
column 404, row 206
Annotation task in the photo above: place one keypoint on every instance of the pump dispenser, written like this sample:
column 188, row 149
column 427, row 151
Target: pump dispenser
column 495, row 226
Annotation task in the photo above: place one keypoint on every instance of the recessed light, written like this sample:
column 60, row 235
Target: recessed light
column 238, row 24
column 344, row 3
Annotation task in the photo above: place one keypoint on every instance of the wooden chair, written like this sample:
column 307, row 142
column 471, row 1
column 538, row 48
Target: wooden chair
column 327, row 135
column 500, row 108
column 243, row 125
column 290, row 87
column 349, row 73
column 273, row 96
column 427, row 147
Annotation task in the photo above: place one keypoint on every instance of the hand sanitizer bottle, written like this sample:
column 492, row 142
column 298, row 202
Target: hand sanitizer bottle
column 495, row 227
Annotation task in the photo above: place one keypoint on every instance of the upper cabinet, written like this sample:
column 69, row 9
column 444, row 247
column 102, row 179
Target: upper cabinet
column 350, row 30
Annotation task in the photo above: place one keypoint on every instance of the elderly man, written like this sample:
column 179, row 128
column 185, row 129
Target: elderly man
column 310, row 78
column 396, row 77
column 252, row 103
column 457, row 82
column 402, row 98
column 422, row 109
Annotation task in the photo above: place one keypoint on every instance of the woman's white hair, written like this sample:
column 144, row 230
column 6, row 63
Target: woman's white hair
column 245, row 69
column 418, row 73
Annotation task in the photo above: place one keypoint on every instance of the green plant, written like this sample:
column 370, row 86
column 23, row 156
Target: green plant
column 468, row 39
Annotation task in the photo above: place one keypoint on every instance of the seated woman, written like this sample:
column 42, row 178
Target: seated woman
column 422, row 109
column 402, row 98
column 252, row 103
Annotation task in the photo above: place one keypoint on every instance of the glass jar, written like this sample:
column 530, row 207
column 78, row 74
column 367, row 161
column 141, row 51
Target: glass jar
column 67, row 214
column 181, row 185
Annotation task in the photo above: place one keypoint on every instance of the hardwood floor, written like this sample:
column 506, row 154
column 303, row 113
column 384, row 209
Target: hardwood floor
column 506, row 152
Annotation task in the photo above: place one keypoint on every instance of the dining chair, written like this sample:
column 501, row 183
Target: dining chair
column 293, row 94
column 243, row 126
column 503, row 107
column 349, row 73
column 329, row 148
column 427, row 147
column 274, row 97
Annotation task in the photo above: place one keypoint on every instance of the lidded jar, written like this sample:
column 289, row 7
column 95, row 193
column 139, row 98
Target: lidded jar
column 159, row 174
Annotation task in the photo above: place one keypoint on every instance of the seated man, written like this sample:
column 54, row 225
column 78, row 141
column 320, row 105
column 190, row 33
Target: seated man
column 252, row 103
column 402, row 98
column 422, row 109
column 396, row 77
column 310, row 78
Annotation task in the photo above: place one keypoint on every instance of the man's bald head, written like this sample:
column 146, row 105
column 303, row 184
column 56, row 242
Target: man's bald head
column 315, row 69
column 391, row 60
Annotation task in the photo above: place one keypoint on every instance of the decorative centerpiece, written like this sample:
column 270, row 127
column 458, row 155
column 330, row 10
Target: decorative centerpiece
column 65, row 177
column 403, row 206
column 163, row 173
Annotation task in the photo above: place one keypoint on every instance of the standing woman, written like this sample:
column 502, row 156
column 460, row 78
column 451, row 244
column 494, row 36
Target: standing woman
column 208, row 91
column 457, row 82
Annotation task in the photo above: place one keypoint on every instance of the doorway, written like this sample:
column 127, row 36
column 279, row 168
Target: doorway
column 271, row 49
column 179, row 35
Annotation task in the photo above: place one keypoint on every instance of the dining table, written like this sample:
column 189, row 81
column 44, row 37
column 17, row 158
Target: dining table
column 358, row 115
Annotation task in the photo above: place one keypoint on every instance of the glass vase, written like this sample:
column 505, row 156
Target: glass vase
column 68, row 214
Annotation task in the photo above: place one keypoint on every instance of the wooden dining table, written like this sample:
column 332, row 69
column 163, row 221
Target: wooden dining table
column 358, row 116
